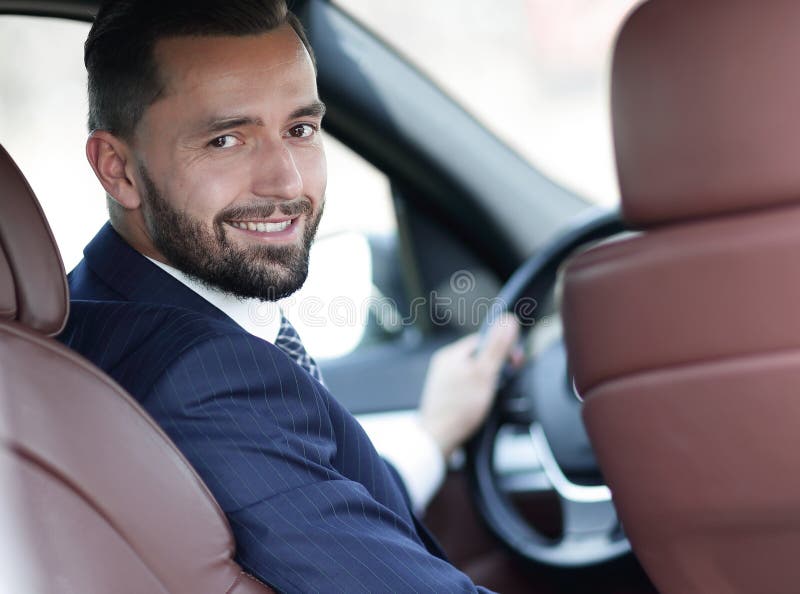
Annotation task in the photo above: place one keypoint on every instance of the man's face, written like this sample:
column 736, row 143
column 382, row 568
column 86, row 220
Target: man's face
column 231, row 167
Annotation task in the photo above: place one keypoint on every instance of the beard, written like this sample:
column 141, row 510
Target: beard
column 265, row 272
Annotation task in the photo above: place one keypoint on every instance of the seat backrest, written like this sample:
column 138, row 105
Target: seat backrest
column 684, row 339
column 104, row 500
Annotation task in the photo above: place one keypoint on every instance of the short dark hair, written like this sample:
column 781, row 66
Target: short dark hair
column 119, row 52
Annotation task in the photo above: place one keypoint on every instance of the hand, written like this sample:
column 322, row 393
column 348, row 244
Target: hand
column 460, row 384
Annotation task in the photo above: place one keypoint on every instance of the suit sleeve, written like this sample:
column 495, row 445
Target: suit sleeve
column 281, row 463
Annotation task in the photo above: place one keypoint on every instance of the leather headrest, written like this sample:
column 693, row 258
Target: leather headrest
column 33, row 286
column 705, row 97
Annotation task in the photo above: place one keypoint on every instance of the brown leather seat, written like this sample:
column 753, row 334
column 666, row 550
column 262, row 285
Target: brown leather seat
column 685, row 338
column 103, row 500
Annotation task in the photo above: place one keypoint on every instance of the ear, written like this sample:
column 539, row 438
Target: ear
column 110, row 159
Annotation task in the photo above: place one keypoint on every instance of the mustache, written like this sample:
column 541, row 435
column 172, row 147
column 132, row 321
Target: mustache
column 264, row 210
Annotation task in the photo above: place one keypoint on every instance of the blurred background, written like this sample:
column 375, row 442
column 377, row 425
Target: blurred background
column 536, row 73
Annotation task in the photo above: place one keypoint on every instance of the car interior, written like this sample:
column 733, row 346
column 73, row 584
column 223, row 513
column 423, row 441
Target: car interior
column 656, row 433
column 447, row 194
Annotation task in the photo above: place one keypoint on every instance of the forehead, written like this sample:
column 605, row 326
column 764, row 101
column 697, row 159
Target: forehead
column 208, row 64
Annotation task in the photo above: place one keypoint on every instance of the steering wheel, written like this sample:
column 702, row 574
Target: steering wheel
column 534, row 440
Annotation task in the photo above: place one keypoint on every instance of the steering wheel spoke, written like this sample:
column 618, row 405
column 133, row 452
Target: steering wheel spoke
column 516, row 463
column 588, row 520
column 568, row 491
column 587, row 511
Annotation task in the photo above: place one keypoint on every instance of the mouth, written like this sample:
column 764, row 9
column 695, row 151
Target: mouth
column 262, row 226
column 268, row 231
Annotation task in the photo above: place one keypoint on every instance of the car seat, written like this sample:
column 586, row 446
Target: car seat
column 684, row 338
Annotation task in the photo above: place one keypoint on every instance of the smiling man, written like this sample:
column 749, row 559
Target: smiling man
column 205, row 133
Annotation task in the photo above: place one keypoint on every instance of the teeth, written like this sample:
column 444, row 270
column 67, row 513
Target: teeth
column 262, row 227
column 275, row 227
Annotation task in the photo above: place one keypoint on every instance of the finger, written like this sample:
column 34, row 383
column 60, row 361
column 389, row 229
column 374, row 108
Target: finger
column 517, row 356
column 462, row 348
column 500, row 340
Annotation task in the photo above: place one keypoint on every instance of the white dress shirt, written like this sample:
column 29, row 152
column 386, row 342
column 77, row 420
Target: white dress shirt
column 398, row 436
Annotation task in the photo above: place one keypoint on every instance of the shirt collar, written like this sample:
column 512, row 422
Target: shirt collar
column 259, row 318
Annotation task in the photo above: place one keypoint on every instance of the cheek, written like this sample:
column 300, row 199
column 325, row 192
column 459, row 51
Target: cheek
column 202, row 194
column 314, row 170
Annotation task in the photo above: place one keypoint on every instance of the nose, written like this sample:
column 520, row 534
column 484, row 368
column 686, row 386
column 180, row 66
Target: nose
column 275, row 172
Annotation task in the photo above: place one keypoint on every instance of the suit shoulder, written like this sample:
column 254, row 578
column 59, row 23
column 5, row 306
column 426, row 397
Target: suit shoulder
column 107, row 319
column 123, row 336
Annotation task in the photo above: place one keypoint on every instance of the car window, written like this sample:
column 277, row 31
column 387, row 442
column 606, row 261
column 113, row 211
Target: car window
column 43, row 109
column 535, row 72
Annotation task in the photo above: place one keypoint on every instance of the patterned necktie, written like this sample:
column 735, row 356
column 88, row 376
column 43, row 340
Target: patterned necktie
column 289, row 342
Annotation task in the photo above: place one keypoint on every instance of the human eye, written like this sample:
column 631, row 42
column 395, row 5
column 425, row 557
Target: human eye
column 303, row 130
column 224, row 141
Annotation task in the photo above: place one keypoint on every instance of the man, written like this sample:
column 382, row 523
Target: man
column 205, row 133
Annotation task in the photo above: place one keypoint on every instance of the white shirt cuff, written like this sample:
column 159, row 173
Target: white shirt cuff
column 401, row 440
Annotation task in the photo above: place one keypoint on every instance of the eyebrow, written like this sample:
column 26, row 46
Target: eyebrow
column 315, row 109
column 219, row 124
column 215, row 125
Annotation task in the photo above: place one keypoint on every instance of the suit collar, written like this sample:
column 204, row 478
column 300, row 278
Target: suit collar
column 133, row 276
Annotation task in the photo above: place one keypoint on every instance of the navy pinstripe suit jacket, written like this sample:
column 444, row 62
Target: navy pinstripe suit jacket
column 312, row 505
